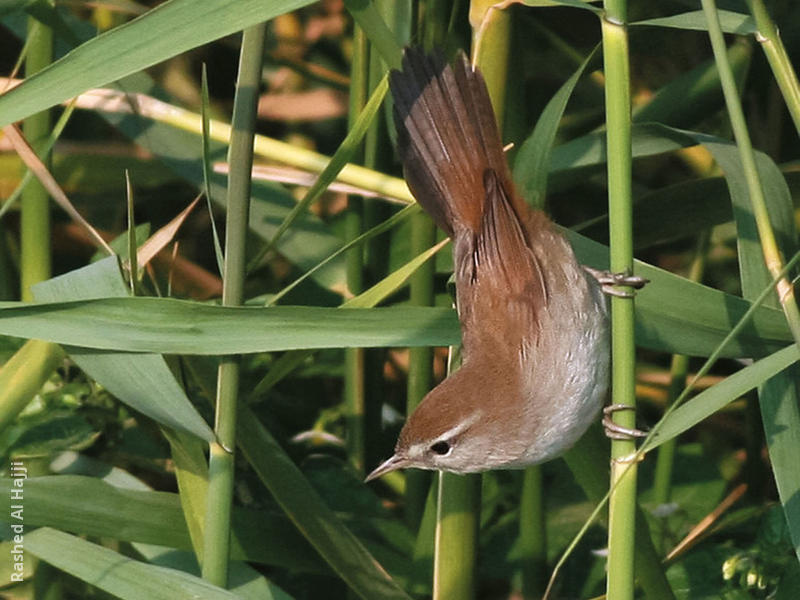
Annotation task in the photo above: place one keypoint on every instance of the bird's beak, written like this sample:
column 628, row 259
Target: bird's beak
column 394, row 463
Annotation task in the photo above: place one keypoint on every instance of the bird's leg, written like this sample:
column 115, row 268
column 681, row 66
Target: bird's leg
column 608, row 281
column 615, row 431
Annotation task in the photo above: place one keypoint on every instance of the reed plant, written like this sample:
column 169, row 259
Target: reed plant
column 196, row 408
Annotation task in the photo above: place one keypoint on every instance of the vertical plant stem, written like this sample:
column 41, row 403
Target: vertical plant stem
column 420, row 375
column 378, row 154
column 665, row 460
column 35, row 258
column 432, row 24
column 775, row 51
column 622, row 502
column 769, row 245
column 491, row 40
column 532, row 535
column 354, row 357
column 240, row 157
column 458, row 509
column 32, row 365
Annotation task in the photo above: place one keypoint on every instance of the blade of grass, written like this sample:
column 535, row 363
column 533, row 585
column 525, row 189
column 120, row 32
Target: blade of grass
column 533, row 158
column 143, row 381
column 343, row 552
column 161, row 33
column 45, row 150
column 380, row 36
column 207, row 170
column 41, row 172
column 117, row 574
column 675, row 315
column 344, row 153
column 113, row 508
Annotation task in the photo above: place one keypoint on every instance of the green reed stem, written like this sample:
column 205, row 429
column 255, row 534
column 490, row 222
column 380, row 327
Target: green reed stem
column 354, row 392
column 24, row 373
column 769, row 245
column 622, row 502
column 240, row 157
column 35, row 254
column 662, row 485
column 458, row 511
column 772, row 44
column 532, row 534
column 420, row 373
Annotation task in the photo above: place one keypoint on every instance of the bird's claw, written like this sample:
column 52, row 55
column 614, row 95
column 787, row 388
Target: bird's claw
column 616, row 431
column 609, row 281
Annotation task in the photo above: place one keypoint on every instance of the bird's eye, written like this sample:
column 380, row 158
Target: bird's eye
column 441, row 448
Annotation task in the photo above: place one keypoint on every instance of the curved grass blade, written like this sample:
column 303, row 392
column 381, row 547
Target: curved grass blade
column 142, row 381
column 340, row 548
column 115, row 573
column 90, row 506
column 344, row 153
column 676, row 316
column 163, row 32
column 731, row 22
column 530, row 167
column 726, row 391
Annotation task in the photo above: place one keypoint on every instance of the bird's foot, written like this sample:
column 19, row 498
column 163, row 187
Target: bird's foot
column 608, row 282
column 616, row 431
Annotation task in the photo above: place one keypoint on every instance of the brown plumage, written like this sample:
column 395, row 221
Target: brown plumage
column 534, row 324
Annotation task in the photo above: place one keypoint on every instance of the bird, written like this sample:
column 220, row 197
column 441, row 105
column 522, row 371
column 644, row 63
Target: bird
column 534, row 322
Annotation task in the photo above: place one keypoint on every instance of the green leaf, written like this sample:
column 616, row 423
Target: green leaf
column 191, row 472
column 570, row 3
column 181, row 327
column 117, row 574
column 779, row 396
column 243, row 580
column 56, row 432
column 370, row 20
column 207, row 169
column 93, row 507
column 731, row 22
column 335, row 543
column 729, row 389
column 675, row 315
column 648, row 139
column 392, row 282
column 530, row 167
column 142, row 381
column 344, row 154
column 163, row 32
column 692, row 96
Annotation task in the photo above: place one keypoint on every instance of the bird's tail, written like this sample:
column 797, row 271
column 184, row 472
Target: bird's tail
column 447, row 138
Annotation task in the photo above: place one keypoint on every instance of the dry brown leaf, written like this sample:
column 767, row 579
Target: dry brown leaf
column 40, row 171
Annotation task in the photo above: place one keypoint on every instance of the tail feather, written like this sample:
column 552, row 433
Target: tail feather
column 447, row 138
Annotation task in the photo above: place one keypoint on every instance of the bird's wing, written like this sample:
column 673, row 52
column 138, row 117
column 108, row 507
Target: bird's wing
column 501, row 288
column 455, row 166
